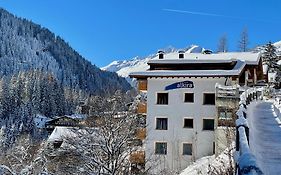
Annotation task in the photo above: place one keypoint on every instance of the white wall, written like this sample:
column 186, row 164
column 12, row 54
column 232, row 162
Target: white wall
column 176, row 111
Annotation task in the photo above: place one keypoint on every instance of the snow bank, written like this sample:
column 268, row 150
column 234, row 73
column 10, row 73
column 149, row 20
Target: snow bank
column 206, row 165
column 200, row 166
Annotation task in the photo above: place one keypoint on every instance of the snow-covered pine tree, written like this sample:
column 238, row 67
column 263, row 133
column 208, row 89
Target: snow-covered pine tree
column 269, row 56
column 271, row 59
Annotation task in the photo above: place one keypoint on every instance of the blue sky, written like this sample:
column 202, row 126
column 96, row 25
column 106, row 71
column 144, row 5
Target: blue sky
column 106, row 30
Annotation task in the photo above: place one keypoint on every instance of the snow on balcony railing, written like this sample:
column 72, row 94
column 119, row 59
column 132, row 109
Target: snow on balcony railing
column 227, row 91
column 245, row 160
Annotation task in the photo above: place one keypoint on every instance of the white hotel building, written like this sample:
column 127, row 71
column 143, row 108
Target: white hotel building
column 181, row 109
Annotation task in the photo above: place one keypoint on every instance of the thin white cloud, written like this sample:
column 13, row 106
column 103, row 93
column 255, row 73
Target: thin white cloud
column 217, row 15
column 193, row 13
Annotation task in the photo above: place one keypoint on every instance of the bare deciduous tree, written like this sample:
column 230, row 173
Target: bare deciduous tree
column 244, row 41
column 103, row 146
column 223, row 45
column 19, row 158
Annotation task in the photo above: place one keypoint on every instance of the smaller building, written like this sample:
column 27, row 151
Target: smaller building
column 40, row 121
column 66, row 121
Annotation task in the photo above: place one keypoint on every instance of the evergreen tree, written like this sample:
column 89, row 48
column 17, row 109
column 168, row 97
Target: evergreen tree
column 269, row 56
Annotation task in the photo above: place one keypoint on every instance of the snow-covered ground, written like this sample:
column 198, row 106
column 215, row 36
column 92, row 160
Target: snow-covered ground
column 200, row 166
column 265, row 136
column 210, row 164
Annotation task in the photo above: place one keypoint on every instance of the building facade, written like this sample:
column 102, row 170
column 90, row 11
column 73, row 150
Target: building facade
column 181, row 111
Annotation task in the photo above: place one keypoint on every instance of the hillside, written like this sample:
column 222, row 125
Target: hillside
column 27, row 46
column 41, row 74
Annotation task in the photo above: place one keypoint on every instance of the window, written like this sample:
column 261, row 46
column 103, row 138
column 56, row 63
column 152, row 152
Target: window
column 209, row 99
column 162, row 98
column 208, row 124
column 181, row 55
column 225, row 115
column 187, row 149
column 188, row 97
column 161, row 55
column 214, row 148
column 161, row 148
column 161, row 123
column 188, row 123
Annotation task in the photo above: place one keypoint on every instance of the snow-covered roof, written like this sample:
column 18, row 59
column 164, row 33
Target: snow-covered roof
column 249, row 57
column 61, row 132
column 241, row 59
column 187, row 61
column 76, row 116
column 237, row 69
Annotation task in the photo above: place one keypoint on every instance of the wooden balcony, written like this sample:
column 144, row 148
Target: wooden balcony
column 228, row 123
column 142, row 85
column 142, row 108
column 141, row 133
column 227, row 96
column 137, row 157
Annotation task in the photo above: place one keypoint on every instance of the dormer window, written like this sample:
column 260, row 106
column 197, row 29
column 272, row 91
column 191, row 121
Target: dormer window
column 207, row 52
column 160, row 54
column 181, row 54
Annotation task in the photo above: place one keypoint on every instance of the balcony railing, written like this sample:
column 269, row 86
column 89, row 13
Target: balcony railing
column 142, row 85
column 141, row 133
column 142, row 106
column 137, row 157
column 227, row 91
column 227, row 96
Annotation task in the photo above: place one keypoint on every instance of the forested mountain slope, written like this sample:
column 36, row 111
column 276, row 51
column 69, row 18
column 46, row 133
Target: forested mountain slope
column 27, row 46
column 41, row 74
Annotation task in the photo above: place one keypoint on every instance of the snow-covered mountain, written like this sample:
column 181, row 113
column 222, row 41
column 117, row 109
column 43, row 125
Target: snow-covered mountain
column 278, row 46
column 40, row 73
column 125, row 67
column 26, row 46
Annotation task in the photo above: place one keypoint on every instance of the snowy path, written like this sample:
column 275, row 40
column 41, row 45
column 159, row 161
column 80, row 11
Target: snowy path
column 265, row 136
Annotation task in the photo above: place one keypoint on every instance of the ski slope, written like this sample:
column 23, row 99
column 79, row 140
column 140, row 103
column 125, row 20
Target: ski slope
column 265, row 136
